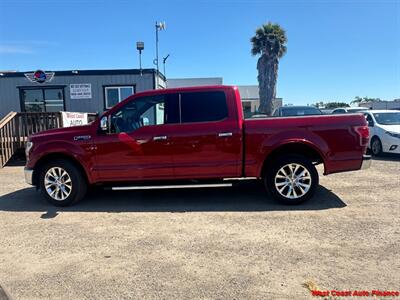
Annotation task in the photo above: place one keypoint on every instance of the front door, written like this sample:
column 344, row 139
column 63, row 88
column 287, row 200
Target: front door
column 137, row 146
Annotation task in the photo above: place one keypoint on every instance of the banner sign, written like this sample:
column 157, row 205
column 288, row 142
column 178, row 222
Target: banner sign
column 70, row 119
column 80, row 90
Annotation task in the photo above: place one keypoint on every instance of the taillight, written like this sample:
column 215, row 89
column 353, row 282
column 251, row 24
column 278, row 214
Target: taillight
column 363, row 132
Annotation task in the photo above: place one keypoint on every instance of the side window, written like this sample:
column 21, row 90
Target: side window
column 146, row 111
column 203, row 107
column 369, row 120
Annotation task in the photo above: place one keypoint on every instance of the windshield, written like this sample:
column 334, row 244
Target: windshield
column 387, row 118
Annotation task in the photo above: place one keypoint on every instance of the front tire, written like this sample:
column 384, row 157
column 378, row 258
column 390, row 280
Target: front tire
column 376, row 146
column 291, row 179
column 62, row 183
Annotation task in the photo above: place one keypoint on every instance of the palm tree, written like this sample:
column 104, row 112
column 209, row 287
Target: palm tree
column 357, row 100
column 365, row 99
column 270, row 42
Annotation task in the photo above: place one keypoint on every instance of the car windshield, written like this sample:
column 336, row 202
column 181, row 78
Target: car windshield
column 387, row 118
column 300, row 111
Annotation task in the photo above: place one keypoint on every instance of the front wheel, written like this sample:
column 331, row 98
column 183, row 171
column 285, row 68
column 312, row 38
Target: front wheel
column 376, row 146
column 62, row 183
column 291, row 179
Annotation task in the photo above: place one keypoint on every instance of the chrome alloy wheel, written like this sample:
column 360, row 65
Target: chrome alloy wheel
column 292, row 181
column 58, row 183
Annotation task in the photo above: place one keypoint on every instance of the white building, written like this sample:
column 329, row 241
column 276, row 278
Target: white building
column 186, row 82
column 394, row 104
column 251, row 100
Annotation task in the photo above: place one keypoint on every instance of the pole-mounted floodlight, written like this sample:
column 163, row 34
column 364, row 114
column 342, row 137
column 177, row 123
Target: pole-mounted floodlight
column 159, row 26
column 164, row 61
column 140, row 48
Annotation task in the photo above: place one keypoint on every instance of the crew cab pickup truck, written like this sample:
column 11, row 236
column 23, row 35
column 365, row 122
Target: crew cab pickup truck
column 194, row 135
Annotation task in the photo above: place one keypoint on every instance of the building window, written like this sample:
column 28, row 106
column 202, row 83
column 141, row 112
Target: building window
column 42, row 99
column 115, row 94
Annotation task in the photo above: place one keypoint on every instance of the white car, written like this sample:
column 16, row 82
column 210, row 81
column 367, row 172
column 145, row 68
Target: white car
column 384, row 127
column 349, row 110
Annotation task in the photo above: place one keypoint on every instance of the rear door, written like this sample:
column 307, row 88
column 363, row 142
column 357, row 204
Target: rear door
column 207, row 142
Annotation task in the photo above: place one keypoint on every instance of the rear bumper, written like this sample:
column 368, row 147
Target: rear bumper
column 366, row 162
column 28, row 173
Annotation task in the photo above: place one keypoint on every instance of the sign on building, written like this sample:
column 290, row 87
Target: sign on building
column 40, row 76
column 70, row 119
column 80, row 90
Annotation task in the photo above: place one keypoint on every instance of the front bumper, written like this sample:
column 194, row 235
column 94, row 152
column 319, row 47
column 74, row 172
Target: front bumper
column 366, row 162
column 28, row 176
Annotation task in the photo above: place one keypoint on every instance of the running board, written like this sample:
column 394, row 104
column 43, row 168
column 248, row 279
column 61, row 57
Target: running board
column 180, row 186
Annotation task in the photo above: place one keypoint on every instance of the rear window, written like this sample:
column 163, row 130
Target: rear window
column 339, row 111
column 300, row 111
column 203, row 107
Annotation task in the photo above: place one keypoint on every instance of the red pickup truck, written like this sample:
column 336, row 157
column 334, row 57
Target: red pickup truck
column 194, row 135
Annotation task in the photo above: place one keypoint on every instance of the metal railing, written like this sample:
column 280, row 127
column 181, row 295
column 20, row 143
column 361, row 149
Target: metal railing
column 16, row 127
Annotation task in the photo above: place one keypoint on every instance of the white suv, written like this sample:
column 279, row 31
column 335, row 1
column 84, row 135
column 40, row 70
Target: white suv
column 384, row 126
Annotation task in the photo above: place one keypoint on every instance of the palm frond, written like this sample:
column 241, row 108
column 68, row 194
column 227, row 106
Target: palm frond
column 269, row 39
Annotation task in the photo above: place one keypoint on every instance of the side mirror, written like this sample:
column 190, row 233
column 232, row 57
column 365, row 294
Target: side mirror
column 145, row 121
column 104, row 124
column 371, row 123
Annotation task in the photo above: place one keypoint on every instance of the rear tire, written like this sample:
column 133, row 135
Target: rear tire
column 291, row 179
column 62, row 183
column 376, row 146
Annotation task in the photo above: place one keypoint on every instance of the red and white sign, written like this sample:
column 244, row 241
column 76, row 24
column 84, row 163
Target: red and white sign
column 70, row 119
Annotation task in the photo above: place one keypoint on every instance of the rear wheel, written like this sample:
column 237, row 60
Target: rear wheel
column 291, row 179
column 376, row 146
column 62, row 183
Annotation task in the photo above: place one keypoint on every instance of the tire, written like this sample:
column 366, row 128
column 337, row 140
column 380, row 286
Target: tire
column 62, row 183
column 376, row 146
column 286, row 189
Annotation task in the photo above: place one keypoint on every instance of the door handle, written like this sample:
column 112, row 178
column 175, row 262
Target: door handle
column 160, row 138
column 224, row 134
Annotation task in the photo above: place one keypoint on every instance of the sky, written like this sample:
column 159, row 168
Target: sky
column 336, row 49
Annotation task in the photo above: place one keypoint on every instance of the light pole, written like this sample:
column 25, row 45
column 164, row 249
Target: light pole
column 164, row 61
column 159, row 26
column 140, row 47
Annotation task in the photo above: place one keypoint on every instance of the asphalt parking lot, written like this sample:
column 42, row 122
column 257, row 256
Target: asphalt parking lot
column 226, row 243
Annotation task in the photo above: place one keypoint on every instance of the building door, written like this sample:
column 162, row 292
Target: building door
column 46, row 99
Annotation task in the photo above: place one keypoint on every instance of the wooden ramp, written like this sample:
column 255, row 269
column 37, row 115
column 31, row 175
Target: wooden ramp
column 16, row 127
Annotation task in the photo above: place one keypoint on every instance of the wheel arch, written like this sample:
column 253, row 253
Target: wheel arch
column 299, row 148
column 53, row 156
column 375, row 136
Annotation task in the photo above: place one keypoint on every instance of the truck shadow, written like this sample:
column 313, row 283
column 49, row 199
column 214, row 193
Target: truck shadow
column 248, row 197
column 387, row 157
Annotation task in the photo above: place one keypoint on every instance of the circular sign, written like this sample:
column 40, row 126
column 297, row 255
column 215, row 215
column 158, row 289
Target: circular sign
column 39, row 76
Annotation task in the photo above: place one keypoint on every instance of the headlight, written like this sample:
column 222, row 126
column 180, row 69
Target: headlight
column 393, row 134
column 28, row 148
